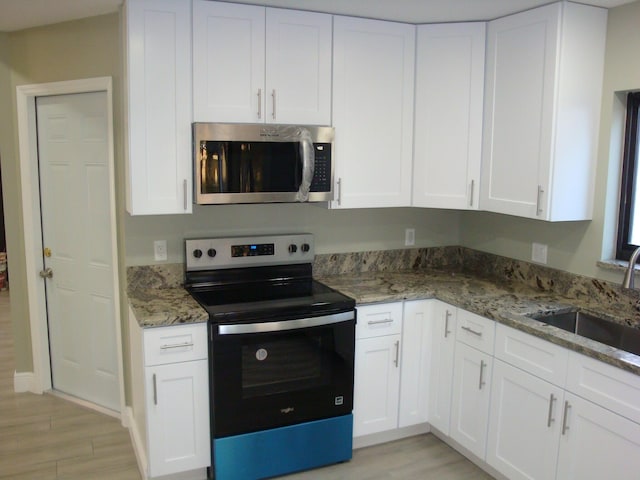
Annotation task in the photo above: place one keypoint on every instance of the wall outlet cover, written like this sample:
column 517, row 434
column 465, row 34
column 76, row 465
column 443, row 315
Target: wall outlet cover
column 410, row 236
column 160, row 250
column 539, row 253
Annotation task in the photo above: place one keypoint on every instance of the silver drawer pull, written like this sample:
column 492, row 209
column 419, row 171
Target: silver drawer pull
column 176, row 345
column 565, row 416
column 446, row 323
column 481, row 383
column 470, row 330
column 378, row 322
column 155, row 390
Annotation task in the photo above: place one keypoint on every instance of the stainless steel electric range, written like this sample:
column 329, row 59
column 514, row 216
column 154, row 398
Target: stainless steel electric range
column 281, row 354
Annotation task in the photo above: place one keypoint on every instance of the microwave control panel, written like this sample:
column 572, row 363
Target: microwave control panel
column 322, row 171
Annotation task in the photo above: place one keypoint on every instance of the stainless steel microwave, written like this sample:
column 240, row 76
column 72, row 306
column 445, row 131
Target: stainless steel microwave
column 260, row 163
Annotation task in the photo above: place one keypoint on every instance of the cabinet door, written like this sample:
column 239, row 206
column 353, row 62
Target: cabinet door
column 373, row 78
column 376, row 385
column 443, row 342
column 178, row 417
column 471, row 395
column 524, row 424
column 521, row 56
column 298, row 59
column 448, row 118
column 228, row 62
column 597, row 443
column 415, row 363
column 158, row 70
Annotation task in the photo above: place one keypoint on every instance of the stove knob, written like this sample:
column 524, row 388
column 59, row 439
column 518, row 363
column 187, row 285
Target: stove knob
column 305, row 247
column 211, row 252
column 197, row 253
column 293, row 248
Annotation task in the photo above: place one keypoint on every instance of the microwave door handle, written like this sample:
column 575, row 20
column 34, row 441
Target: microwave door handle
column 308, row 165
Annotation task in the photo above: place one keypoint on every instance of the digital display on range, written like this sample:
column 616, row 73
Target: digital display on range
column 252, row 250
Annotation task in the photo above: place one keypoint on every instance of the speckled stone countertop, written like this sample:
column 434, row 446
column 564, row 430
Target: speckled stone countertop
column 495, row 287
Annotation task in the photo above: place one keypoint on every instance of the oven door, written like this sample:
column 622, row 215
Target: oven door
column 273, row 374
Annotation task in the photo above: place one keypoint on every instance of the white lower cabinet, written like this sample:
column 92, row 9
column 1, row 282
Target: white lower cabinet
column 178, row 417
column 170, row 398
column 391, row 367
column 443, row 342
column 525, row 423
column 471, row 396
column 597, row 443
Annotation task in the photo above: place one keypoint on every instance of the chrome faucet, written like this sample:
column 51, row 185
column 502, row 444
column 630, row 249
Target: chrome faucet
column 629, row 275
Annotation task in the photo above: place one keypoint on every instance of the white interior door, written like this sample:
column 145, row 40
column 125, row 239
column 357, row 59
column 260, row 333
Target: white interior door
column 76, row 229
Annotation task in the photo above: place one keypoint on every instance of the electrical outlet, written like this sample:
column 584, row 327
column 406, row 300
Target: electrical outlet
column 409, row 236
column 539, row 253
column 160, row 250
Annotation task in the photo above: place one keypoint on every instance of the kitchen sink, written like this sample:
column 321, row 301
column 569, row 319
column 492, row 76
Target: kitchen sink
column 595, row 328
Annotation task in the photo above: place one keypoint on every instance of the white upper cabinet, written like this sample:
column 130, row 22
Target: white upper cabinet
column 448, row 117
column 542, row 110
column 158, row 91
column 252, row 64
column 373, row 80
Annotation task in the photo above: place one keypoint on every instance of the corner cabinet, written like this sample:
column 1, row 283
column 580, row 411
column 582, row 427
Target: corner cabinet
column 448, row 117
column 255, row 64
column 158, row 106
column 544, row 70
column 373, row 92
column 170, row 398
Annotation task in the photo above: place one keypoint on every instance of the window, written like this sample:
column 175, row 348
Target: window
column 629, row 217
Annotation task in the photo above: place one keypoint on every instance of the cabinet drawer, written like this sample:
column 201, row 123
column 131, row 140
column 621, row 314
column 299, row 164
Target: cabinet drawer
column 534, row 355
column 180, row 343
column 476, row 331
column 379, row 319
column 605, row 385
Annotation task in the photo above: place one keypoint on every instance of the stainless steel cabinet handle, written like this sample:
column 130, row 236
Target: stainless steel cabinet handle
column 550, row 418
column 539, row 200
column 447, row 314
column 481, row 382
column 176, row 345
column 565, row 426
column 471, row 193
column 155, row 390
column 273, row 100
column 470, row 330
column 378, row 322
column 184, row 189
column 259, row 103
column 46, row 273
column 339, row 191
column 395, row 362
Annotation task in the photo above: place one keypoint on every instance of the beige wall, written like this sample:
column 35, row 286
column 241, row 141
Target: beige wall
column 67, row 51
column 577, row 246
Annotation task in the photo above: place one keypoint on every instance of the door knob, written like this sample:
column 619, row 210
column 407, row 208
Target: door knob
column 46, row 273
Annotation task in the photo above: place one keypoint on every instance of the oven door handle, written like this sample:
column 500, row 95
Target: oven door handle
column 242, row 328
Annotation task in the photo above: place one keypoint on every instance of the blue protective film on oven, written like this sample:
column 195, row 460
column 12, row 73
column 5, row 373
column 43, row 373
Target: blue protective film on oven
column 284, row 450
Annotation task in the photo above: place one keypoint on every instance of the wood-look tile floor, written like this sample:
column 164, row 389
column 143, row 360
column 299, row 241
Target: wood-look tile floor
column 44, row 437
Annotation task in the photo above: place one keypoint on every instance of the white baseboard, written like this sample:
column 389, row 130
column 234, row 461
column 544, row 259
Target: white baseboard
column 389, row 435
column 24, row 382
column 136, row 441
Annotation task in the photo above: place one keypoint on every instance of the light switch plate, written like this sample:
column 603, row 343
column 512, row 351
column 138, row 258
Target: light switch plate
column 539, row 253
column 160, row 250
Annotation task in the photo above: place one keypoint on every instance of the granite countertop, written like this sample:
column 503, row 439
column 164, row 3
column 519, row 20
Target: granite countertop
column 507, row 303
column 156, row 302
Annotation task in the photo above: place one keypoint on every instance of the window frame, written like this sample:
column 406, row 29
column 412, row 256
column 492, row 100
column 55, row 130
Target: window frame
column 624, row 249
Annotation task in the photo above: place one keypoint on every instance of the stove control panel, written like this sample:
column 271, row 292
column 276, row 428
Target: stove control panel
column 233, row 252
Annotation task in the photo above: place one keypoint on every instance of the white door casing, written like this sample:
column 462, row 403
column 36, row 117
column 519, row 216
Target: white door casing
column 25, row 98
column 74, row 191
